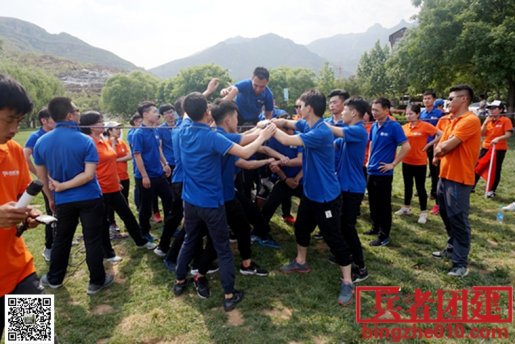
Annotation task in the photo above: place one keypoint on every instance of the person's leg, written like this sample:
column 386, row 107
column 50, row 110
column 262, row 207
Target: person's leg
column 192, row 226
column 374, row 202
column 407, row 176
column 126, row 185
column 304, row 226
column 175, row 221
column 67, row 221
column 261, row 227
column 433, row 171
column 49, row 230
column 419, row 173
column 458, row 205
column 240, row 225
column 498, row 168
column 217, row 226
column 145, row 208
column 441, row 196
column 91, row 218
column 106, row 240
column 350, row 209
column 279, row 193
column 118, row 203
column 164, row 191
column 384, row 207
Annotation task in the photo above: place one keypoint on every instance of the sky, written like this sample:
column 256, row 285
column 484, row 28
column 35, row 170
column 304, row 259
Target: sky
column 153, row 32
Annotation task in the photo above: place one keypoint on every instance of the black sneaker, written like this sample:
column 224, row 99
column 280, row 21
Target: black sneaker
column 446, row 253
column 372, row 232
column 380, row 242
column 202, row 286
column 179, row 288
column 230, row 304
column 359, row 275
column 253, row 270
column 332, row 260
column 95, row 288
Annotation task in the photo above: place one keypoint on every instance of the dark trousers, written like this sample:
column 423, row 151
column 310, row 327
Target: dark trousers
column 327, row 217
column 454, row 202
column 29, row 286
column 279, row 194
column 380, row 203
column 117, row 202
column 177, row 216
column 158, row 186
column 49, row 229
column 417, row 172
column 499, row 159
column 215, row 220
column 125, row 192
column 254, row 216
column 91, row 215
column 237, row 220
column 351, row 202
column 434, row 171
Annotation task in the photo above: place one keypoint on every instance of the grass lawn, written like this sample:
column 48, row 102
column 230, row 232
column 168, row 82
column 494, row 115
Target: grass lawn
column 140, row 307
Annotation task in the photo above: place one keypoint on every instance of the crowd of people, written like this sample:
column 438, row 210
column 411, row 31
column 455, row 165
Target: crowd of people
column 220, row 181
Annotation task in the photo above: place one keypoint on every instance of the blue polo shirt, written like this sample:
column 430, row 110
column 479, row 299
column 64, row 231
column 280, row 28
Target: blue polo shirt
column 432, row 117
column 64, row 152
column 31, row 141
column 201, row 150
column 276, row 112
column 165, row 135
column 383, row 145
column 289, row 151
column 351, row 149
column 249, row 104
column 340, row 124
column 130, row 134
column 319, row 182
column 229, row 166
column 145, row 141
column 178, row 173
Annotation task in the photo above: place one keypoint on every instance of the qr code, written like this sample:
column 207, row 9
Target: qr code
column 29, row 319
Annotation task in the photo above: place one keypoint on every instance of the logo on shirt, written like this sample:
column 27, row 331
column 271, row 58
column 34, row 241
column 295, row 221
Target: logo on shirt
column 383, row 134
column 417, row 134
column 11, row 173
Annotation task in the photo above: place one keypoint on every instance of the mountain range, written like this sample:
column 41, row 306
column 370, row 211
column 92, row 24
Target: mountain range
column 239, row 55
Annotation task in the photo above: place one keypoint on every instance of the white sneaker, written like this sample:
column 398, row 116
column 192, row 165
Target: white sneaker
column 46, row 254
column 422, row 219
column 114, row 260
column 403, row 211
column 114, row 228
column 510, row 207
column 160, row 253
column 149, row 245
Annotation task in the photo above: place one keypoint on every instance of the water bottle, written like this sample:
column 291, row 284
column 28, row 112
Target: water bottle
column 500, row 215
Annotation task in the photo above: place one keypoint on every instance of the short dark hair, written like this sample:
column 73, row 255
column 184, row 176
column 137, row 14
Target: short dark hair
column 89, row 118
column 165, row 108
column 429, row 93
column 344, row 95
column 134, row 118
column 358, row 104
column 144, row 106
column 261, row 73
column 195, row 105
column 384, row 102
column 178, row 106
column 414, row 107
column 220, row 110
column 43, row 114
column 13, row 96
column 463, row 87
column 59, row 108
column 316, row 100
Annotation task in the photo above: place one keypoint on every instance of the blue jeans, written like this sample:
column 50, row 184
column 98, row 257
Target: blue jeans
column 454, row 202
column 216, row 223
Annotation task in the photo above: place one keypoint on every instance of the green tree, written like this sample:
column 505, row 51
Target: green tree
column 460, row 41
column 296, row 80
column 39, row 85
column 123, row 92
column 195, row 79
column 372, row 74
column 326, row 80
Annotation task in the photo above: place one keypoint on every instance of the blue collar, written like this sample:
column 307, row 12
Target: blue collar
column 68, row 124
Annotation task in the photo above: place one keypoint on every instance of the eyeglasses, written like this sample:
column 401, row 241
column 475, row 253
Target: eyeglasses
column 297, row 106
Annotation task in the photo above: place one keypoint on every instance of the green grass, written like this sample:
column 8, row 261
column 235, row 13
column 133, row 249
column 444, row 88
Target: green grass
column 140, row 307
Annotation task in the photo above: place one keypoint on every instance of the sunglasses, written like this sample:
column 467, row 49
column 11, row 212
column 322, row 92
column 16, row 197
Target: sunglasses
column 297, row 106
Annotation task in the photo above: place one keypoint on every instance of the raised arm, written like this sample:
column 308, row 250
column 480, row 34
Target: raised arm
column 247, row 151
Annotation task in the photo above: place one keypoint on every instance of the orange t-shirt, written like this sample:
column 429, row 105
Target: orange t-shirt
column 417, row 137
column 106, row 168
column 443, row 122
column 121, row 151
column 16, row 262
column 495, row 129
column 368, row 126
column 458, row 165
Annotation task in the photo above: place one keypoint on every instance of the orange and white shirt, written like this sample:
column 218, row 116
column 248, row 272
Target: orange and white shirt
column 495, row 129
column 417, row 137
